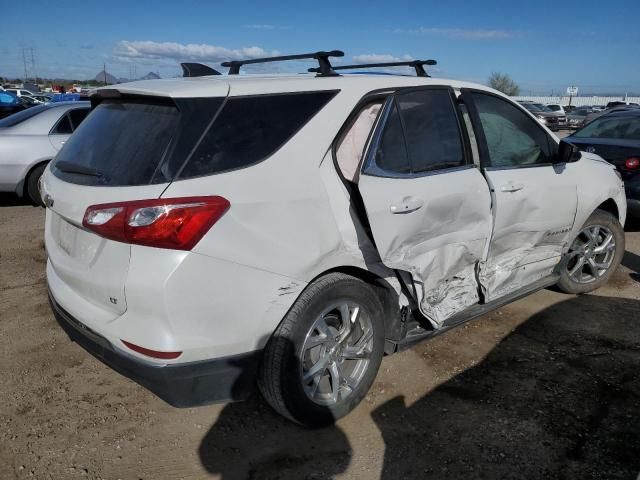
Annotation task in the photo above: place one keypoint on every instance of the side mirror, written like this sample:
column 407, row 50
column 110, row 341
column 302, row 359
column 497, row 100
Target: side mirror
column 567, row 152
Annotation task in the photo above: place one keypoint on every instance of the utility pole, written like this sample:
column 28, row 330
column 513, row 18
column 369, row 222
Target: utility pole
column 29, row 63
column 104, row 73
column 24, row 61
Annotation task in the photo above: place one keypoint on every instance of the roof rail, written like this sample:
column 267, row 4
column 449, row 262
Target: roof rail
column 418, row 65
column 324, row 66
column 197, row 70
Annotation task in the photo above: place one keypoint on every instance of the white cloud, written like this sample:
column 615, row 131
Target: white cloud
column 177, row 51
column 458, row 33
column 380, row 58
column 266, row 26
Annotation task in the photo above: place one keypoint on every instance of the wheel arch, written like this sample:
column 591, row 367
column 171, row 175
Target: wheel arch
column 22, row 184
column 610, row 206
column 385, row 291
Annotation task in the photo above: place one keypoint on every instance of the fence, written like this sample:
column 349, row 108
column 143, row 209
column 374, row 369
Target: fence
column 578, row 101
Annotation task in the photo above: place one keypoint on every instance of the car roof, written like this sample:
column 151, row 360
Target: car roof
column 235, row 85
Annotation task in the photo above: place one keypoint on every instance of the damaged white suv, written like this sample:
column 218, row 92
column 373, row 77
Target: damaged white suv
column 209, row 233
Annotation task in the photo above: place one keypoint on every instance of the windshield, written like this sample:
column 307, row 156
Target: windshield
column 555, row 108
column 531, row 107
column 542, row 108
column 619, row 128
column 20, row 117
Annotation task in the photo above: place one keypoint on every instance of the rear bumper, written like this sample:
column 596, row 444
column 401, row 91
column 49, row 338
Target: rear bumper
column 181, row 385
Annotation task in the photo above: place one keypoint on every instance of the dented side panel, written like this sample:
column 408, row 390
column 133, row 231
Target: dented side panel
column 532, row 226
column 441, row 242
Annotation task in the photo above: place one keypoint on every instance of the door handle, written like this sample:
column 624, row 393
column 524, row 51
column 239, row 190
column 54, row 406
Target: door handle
column 512, row 187
column 407, row 205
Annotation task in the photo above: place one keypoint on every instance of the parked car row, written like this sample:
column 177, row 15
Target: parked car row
column 30, row 138
column 554, row 120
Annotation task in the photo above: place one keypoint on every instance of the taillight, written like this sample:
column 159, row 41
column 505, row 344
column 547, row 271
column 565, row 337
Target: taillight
column 176, row 223
column 632, row 163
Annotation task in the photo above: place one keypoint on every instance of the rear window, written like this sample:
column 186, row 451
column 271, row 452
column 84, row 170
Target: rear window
column 250, row 129
column 122, row 142
column 140, row 142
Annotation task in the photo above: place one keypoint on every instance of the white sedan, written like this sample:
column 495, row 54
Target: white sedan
column 30, row 139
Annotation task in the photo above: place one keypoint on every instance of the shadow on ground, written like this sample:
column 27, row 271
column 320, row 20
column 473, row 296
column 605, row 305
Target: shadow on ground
column 632, row 224
column 12, row 200
column 558, row 398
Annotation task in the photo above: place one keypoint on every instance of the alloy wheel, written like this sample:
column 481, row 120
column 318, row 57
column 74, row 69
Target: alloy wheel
column 336, row 353
column 591, row 254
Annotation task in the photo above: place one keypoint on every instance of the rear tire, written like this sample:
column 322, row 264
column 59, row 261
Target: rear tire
column 594, row 254
column 317, row 368
column 32, row 188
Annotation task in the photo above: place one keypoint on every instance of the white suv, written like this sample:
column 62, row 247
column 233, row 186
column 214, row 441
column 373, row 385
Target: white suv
column 206, row 234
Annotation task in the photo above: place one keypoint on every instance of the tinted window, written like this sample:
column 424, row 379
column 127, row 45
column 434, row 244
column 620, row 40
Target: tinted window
column 20, row 117
column 391, row 154
column 513, row 138
column 431, row 130
column 77, row 116
column 250, row 129
column 63, row 127
column 124, row 141
column 619, row 128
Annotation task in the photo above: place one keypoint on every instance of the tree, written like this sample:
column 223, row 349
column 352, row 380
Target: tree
column 503, row 83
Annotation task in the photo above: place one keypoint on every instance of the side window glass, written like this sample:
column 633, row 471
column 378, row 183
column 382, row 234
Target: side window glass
column 63, row 127
column 513, row 138
column 77, row 116
column 250, row 129
column 431, row 130
column 391, row 154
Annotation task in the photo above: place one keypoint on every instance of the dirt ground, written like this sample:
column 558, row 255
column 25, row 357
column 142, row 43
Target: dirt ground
column 548, row 387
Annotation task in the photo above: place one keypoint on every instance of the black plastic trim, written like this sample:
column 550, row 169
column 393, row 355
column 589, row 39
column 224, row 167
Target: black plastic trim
column 181, row 385
column 418, row 65
column 197, row 70
column 324, row 66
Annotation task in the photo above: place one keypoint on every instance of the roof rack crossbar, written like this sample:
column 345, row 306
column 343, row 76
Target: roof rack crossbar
column 197, row 70
column 418, row 65
column 324, row 66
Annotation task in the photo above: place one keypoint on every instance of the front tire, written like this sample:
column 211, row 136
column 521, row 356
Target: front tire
column 594, row 254
column 324, row 356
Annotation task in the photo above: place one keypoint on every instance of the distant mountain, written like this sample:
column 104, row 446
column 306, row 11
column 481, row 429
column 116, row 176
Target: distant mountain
column 150, row 76
column 100, row 77
column 106, row 77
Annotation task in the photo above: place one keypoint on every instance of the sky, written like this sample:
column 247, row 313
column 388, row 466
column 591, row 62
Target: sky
column 545, row 46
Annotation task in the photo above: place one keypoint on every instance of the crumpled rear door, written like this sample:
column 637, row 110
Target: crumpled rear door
column 430, row 216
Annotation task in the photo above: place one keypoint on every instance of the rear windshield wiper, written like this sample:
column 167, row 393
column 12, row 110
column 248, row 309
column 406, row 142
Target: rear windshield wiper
column 70, row 167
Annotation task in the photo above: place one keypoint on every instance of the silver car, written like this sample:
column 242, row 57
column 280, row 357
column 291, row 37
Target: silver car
column 30, row 139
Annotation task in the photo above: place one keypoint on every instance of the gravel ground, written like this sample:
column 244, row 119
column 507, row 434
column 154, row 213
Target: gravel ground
column 548, row 387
